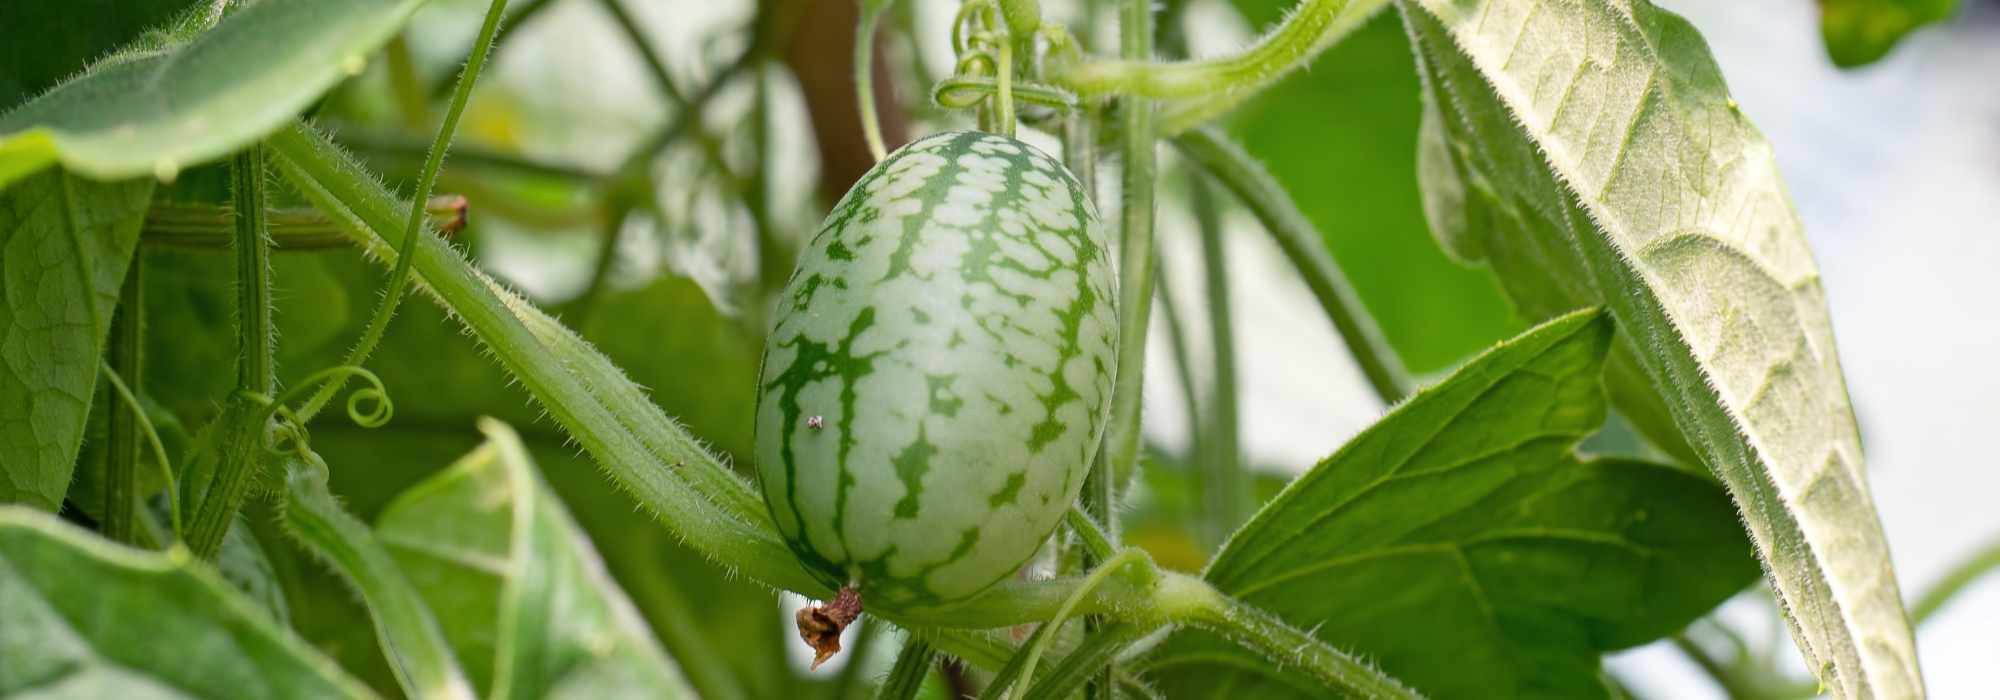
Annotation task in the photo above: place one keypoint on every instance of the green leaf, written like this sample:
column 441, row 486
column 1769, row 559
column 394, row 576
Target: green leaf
column 86, row 618
column 516, row 582
column 1860, row 32
column 1601, row 161
column 64, row 246
column 410, row 635
column 37, row 58
column 1463, row 545
column 157, row 111
column 1358, row 186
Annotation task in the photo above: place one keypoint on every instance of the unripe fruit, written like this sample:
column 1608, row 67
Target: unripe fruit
column 940, row 371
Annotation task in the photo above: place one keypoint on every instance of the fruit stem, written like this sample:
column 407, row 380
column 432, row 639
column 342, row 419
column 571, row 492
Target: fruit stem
column 820, row 625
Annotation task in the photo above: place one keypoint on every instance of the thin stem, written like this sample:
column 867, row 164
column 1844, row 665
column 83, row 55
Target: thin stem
column 1097, row 650
column 1224, row 483
column 1303, row 34
column 121, row 464
column 1120, row 452
column 1183, row 358
column 145, row 425
column 1303, row 245
column 207, row 226
column 864, row 75
column 240, row 428
column 1135, row 269
column 1983, row 562
column 1003, row 99
column 1039, row 641
column 254, row 335
column 1096, row 544
column 913, row 666
column 399, row 279
column 1259, row 631
column 524, row 15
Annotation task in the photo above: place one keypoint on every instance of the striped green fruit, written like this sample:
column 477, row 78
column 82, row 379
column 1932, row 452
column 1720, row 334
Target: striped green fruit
column 940, row 371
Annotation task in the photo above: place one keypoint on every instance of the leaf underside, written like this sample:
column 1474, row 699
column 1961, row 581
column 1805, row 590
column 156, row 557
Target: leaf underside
column 1589, row 152
column 157, row 110
column 64, row 247
column 1463, row 544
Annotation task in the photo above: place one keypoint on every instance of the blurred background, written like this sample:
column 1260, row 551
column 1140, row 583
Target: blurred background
column 652, row 227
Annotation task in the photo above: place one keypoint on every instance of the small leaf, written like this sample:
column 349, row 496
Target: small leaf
column 64, row 246
column 516, row 582
column 409, row 633
column 1604, row 163
column 157, row 111
column 86, row 618
column 1461, row 543
column 1860, row 32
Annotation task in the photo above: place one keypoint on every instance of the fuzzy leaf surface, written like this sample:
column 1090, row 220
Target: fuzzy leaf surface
column 1463, row 544
column 1597, row 158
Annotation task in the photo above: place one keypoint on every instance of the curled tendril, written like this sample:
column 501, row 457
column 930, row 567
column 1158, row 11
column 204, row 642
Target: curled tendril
column 374, row 416
column 976, row 62
column 960, row 92
column 966, row 17
column 289, row 437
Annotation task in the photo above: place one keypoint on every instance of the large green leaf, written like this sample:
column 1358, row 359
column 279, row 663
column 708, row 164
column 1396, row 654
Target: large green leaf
column 1593, row 156
column 1860, row 32
column 522, row 594
column 86, row 618
column 1463, row 545
column 1357, row 106
column 64, row 247
column 156, row 111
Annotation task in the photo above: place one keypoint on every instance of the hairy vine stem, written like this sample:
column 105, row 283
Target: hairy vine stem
column 913, row 665
column 399, row 279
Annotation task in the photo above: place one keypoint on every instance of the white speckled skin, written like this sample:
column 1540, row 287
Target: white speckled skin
column 953, row 324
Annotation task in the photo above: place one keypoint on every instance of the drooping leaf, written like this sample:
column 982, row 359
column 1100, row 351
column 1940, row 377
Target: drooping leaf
column 1356, row 105
column 1860, row 32
column 1463, row 545
column 156, row 111
column 87, row 618
column 1600, row 160
column 64, row 247
column 410, row 634
column 518, row 586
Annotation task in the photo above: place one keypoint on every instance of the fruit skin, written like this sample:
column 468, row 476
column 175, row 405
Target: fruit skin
column 951, row 331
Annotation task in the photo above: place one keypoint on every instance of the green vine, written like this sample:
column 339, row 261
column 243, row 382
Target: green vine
column 399, row 279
